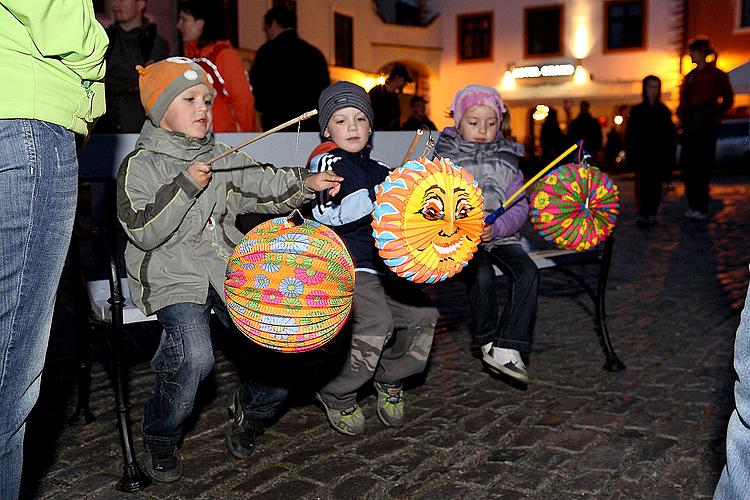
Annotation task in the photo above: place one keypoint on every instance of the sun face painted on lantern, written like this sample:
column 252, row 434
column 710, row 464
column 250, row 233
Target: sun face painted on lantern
column 428, row 219
column 448, row 239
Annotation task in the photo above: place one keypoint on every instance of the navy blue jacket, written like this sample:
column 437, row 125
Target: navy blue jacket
column 349, row 213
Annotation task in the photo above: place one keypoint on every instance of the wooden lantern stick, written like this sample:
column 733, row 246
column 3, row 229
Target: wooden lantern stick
column 303, row 116
column 413, row 145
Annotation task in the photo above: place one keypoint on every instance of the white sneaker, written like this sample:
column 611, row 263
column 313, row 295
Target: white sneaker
column 486, row 348
column 695, row 215
column 506, row 361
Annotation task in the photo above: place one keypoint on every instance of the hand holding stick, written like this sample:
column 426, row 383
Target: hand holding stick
column 303, row 116
column 490, row 219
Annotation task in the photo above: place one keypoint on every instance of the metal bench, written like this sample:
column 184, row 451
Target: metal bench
column 562, row 261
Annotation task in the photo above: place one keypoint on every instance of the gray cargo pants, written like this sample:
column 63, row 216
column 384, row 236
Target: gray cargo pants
column 392, row 323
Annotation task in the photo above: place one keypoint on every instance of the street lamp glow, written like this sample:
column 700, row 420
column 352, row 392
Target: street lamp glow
column 509, row 82
column 618, row 120
column 581, row 76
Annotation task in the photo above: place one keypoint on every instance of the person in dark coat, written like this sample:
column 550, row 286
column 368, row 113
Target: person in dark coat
column 552, row 137
column 418, row 117
column 586, row 128
column 288, row 74
column 384, row 99
column 705, row 96
column 133, row 40
column 650, row 149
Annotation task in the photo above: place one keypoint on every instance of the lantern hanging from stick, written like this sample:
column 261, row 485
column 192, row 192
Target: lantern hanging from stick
column 575, row 206
column 289, row 284
column 427, row 220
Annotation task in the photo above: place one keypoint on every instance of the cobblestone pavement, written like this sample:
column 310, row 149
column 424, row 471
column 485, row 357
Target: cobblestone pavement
column 655, row 430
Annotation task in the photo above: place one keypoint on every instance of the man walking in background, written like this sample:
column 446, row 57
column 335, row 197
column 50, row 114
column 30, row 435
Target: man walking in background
column 288, row 74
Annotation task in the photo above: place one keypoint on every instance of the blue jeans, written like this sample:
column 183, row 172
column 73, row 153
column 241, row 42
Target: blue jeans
column 184, row 358
column 514, row 327
column 38, row 190
column 735, row 477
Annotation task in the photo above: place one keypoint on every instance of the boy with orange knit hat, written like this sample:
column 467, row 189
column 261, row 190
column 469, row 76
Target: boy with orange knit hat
column 179, row 214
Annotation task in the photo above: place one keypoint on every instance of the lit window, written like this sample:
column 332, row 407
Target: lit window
column 475, row 37
column 344, row 40
column 543, row 31
column 625, row 26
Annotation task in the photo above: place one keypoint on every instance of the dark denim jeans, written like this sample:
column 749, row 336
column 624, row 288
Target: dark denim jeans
column 184, row 358
column 514, row 328
column 38, row 190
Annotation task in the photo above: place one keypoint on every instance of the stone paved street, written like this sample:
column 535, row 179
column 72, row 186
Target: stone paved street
column 655, row 430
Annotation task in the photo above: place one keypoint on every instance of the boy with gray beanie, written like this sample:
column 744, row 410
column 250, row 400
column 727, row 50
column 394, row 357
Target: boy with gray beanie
column 392, row 321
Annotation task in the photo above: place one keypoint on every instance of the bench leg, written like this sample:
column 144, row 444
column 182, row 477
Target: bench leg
column 613, row 363
column 132, row 478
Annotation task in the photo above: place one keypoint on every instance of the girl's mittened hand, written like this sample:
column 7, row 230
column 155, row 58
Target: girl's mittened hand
column 200, row 172
column 486, row 233
column 324, row 180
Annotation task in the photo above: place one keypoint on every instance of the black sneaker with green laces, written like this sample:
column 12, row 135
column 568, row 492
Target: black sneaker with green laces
column 390, row 403
column 163, row 463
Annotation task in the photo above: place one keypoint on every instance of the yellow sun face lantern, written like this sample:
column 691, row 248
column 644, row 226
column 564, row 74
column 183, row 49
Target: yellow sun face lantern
column 428, row 219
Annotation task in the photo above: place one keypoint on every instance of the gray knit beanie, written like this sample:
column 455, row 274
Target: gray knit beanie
column 343, row 95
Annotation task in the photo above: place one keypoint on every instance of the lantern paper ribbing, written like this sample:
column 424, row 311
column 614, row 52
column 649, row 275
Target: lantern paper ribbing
column 575, row 206
column 427, row 220
column 289, row 284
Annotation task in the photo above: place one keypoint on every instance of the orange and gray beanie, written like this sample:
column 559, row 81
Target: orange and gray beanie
column 162, row 81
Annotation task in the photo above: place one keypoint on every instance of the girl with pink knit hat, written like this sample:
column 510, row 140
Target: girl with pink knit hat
column 478, row 144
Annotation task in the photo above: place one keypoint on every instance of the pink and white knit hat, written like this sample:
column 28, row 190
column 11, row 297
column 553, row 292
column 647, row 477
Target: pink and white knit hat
column 472, row 95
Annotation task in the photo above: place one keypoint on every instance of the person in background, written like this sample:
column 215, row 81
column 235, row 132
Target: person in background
column 288, row 74
column 133, row 40
column 384, row 99
column 553, row 141
column 418, row 117
column 200, row 23
column 586, row 128
column 52, row 62
column 650, row 149
column 705, row 95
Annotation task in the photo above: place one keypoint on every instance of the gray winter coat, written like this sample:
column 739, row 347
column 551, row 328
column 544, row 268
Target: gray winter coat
column 181, row 237
column 495, row 167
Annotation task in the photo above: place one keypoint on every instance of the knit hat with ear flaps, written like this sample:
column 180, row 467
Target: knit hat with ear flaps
column 342, row 95
column 162, row 81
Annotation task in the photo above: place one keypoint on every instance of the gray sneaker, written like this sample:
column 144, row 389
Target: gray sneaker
column 390, row 403
column 350, row 421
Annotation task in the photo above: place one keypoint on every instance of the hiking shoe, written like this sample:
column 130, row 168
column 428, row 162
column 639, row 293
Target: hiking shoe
column 390, row 403
column 240, row 437
column 695, row 215
column 350, row 421
column 508, row 362
column 163, row 463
